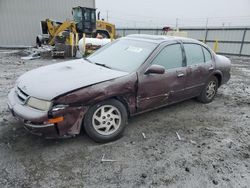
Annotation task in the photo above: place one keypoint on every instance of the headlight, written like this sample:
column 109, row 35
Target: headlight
column 39, row 104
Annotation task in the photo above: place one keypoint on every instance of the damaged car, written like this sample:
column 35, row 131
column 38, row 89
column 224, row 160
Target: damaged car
column 129, row 76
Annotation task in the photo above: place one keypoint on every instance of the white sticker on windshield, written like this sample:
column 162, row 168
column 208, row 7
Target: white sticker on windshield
column 134, row 49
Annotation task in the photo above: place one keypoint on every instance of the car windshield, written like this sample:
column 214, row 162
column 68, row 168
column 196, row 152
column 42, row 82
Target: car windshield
column 123, row 54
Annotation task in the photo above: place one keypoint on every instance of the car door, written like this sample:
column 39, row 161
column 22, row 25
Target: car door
column 197, row 68
column 209, row 65
column 155, row 90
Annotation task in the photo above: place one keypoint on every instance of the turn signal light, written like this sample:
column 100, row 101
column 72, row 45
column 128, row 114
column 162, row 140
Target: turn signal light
column 56, row 120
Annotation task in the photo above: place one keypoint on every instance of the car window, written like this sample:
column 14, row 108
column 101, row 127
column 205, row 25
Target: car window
column 194, row 54
column 207, row 55
column 170, row 57
column 123, row 54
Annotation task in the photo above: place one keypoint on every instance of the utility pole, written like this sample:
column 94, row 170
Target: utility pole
column 107, row 15
column 150, row 23
column 135, row 24
column 206, row 32
column 206, row 23
column 176, row 24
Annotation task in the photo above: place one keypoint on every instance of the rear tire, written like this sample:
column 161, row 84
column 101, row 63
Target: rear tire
column 106, row 121
column 209, row 91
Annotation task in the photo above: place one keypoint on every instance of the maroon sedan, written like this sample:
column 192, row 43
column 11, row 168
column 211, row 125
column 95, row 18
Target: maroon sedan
column 129, row 76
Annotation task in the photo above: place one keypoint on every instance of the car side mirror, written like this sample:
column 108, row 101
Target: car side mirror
column 155, row 69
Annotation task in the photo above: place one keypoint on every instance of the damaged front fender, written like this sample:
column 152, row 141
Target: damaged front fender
column 123, row 88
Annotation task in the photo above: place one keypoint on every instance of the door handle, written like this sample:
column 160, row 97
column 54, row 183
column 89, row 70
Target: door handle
column 180, row 75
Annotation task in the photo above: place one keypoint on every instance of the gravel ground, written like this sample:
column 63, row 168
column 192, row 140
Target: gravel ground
column 214, row 150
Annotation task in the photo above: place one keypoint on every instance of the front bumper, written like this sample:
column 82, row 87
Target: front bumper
column 48, row 131
column 35, row 121
column 32, row 119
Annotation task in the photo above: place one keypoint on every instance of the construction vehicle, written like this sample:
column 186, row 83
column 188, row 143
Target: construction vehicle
column 106, row 29
column 173, row 32
column 51, row 29
column 84, row 24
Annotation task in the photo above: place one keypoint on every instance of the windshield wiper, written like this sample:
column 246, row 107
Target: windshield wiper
column 100, row 64
column 103, row 65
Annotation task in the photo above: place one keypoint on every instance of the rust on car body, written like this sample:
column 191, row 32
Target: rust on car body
column 139, row 90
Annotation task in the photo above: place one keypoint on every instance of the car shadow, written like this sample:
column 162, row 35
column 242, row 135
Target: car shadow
column 17, row 138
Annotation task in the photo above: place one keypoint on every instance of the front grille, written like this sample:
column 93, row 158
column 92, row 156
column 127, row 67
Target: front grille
column 22, row 96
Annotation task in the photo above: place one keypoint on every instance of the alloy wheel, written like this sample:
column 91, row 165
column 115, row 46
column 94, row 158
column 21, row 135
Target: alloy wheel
column 211, row 90
column 106, row 119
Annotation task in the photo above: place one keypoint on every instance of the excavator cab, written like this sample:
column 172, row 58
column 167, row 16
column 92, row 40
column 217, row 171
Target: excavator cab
column 85, row 19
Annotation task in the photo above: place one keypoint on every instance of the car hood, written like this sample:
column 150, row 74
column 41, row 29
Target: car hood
column 51, row 81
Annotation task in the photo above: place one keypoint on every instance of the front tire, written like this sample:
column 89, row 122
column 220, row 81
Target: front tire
column 209, row 91
column 106, row 121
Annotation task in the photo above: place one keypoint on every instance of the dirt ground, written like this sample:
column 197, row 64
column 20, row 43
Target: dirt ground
column 214, row 150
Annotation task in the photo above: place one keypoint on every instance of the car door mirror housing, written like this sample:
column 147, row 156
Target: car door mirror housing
column 155, row 69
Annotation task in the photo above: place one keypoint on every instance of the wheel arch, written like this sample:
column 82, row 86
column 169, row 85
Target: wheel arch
column 121, row 99
column 218, row 75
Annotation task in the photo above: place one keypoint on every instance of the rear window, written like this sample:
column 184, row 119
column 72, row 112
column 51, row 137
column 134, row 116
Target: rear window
column 207, row 55
column 194, row 54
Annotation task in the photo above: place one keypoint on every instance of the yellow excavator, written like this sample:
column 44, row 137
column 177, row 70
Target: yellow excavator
column 84, row 23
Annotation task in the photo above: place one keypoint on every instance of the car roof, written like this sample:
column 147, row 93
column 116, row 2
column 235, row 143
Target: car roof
column 160, row 38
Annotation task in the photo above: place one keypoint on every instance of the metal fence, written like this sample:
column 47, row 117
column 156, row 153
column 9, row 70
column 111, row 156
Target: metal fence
column 231, row 41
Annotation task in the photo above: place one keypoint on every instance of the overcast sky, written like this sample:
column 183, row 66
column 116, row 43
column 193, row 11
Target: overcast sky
column 159, row 13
